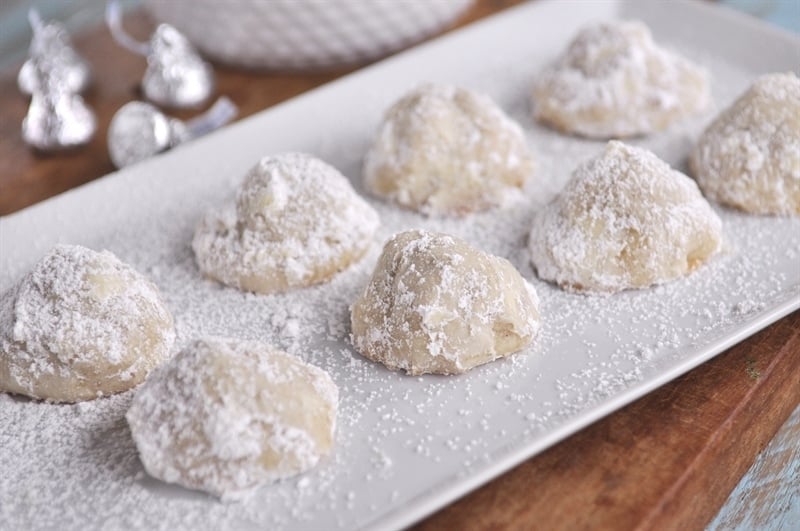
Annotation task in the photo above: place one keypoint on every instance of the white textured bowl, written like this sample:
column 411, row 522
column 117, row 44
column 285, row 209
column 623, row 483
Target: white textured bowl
column 304, row 34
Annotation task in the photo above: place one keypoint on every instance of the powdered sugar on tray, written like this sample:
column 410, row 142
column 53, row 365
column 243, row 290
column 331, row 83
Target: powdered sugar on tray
column 401, row 441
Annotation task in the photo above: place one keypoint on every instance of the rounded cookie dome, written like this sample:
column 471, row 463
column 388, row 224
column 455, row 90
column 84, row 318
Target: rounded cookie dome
column 615, row 81
column 225, row 416
column 624, row 220
column 444, row 150
column 296, row 222
column 81, row 324
column 749, row 157
column 435, row 304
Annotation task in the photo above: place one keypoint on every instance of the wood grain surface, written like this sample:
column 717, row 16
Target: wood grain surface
column 669, row 460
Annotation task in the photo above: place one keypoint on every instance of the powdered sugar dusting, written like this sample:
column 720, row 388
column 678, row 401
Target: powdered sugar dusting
column 446, row 150
column 624, row 220
column 400, row 440
column 615, row 81
column 749, row 157
column 296, row 221
column 437, row 305
column 226, row 416
column 81, row 324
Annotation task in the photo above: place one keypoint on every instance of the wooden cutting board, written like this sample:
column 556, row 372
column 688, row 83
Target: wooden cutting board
column 668, row 460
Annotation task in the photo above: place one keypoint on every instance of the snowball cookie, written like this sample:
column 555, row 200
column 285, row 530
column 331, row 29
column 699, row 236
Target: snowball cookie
column 296, row 222
column 225, row 416
column 80, row 325
column 614, row 81
column 749, row 157
column 444, row 150
column 436, row 305
column 624, row 220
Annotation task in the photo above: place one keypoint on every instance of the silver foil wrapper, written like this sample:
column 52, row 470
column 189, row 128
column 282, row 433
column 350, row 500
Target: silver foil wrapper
column 139, row 130
column 176, row 75
column 57, row 118
column 51, row 44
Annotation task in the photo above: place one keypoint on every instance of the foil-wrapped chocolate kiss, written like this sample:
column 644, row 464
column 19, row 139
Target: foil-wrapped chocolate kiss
column 51, row 45
column 57, row 118
column 176, row 76
column 139, row 130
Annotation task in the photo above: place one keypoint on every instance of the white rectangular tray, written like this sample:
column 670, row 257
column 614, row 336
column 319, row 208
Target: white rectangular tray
column 405, row 446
